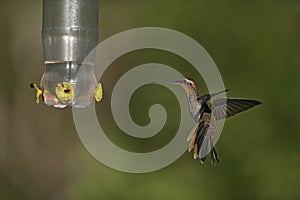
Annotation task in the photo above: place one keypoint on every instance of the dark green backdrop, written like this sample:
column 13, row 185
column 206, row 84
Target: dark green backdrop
column 255, row 45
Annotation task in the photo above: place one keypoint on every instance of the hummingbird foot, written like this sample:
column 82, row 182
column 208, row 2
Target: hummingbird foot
column 214, row 156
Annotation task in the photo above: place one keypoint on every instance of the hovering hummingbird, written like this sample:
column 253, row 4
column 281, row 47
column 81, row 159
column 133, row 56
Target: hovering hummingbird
column 206, row 110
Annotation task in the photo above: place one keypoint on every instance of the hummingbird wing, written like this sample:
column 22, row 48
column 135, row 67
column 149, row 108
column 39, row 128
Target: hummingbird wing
column 227, row 107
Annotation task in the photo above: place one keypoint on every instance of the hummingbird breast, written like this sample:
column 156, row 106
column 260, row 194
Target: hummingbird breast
column 194, row 106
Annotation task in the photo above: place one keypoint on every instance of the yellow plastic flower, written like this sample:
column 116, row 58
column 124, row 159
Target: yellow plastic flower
column 64, row 91
column 38, row 91
column 98, row 92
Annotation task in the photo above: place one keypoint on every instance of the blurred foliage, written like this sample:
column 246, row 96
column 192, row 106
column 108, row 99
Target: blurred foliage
column 255, row 45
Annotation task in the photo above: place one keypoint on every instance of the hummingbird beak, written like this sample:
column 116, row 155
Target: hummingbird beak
column 168, row 82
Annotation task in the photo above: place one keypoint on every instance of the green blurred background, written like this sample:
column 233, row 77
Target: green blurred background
column 255, row 45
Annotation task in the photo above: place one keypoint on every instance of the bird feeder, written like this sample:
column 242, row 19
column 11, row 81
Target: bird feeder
column 69, row 34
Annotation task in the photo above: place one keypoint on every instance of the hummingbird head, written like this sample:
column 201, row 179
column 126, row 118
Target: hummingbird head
column 188, row 84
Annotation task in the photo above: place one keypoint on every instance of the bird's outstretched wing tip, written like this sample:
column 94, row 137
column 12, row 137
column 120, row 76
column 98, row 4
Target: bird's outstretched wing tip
column 258, row 102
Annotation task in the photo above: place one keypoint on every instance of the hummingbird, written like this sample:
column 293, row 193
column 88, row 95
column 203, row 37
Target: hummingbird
column 206, row 110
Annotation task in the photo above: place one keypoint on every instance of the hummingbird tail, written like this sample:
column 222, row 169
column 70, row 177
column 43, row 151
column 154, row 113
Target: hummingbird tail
column 199, row 141
column 196, row 137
